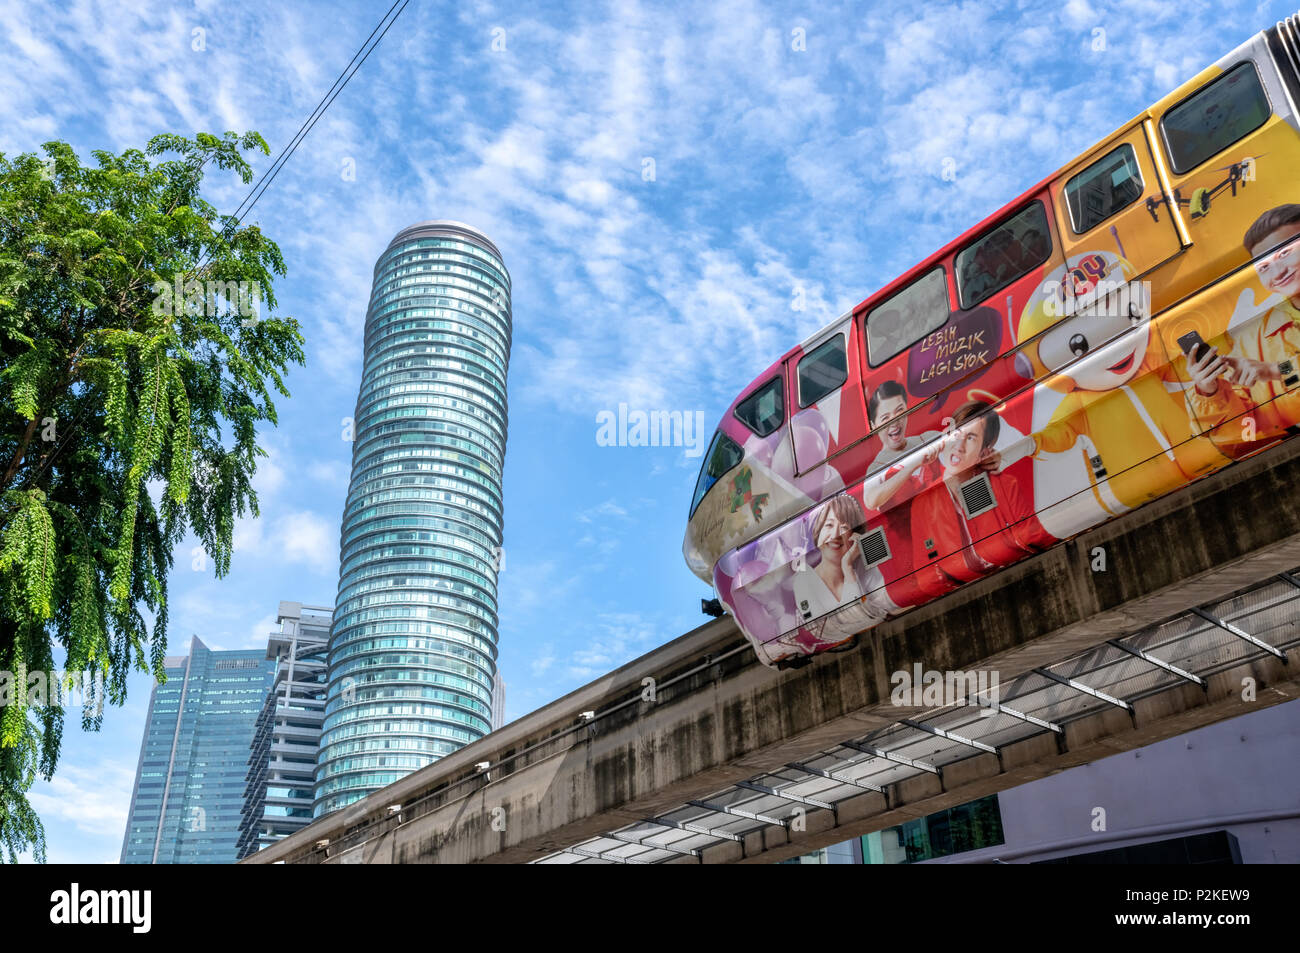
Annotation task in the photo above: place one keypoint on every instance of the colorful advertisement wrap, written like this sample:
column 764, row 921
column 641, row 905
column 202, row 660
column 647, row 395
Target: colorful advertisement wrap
column 1103, row 345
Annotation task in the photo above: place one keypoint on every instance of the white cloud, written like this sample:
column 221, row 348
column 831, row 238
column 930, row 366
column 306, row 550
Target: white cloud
column 541, row 664
column 307, row 538
column 259, row 632
column 1079, row 13
column 602, row 510
column 94, row 798
column 248, row 534
column 270, row 475
column 333, row 472
column 612, row 639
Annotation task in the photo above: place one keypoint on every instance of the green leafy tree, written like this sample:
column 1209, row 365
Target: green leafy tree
column 128, row 416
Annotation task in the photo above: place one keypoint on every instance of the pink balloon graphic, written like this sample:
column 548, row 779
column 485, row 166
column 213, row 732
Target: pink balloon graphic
column 751, row 572
column 811, row 438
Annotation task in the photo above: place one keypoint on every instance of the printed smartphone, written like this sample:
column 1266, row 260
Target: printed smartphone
column 1193, row 346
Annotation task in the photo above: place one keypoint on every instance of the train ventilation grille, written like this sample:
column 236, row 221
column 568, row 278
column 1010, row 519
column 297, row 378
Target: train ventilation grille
column 875, row 548
column 977, row 496
column 1288, row 33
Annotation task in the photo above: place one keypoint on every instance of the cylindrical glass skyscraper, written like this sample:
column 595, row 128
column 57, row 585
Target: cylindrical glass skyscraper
column 413, row 645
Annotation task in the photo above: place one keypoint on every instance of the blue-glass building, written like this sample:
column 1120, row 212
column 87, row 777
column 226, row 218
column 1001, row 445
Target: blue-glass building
column 412, row 653
column 189, row 784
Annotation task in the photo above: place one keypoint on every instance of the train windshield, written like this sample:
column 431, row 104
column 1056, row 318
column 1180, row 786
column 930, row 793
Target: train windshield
column 724, row 453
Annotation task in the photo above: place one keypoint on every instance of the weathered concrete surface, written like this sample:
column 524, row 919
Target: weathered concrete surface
column 719, row 717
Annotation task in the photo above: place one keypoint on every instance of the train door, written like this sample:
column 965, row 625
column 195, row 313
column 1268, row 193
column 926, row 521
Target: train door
column 1232, row 143
column 1118, row 226
column 1105, row 420
column 1229, row 140
column 827, row 412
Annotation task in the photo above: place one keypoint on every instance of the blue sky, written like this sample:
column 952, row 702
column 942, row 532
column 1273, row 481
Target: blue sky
column 798, row 154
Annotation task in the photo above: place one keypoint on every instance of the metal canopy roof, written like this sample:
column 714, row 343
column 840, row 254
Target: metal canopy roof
column 1260, row 622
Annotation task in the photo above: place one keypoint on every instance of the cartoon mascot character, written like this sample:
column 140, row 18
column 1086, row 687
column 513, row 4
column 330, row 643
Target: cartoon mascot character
column 1120, row 391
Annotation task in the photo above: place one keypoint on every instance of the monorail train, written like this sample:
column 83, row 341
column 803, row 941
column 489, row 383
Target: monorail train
column 1122, row 329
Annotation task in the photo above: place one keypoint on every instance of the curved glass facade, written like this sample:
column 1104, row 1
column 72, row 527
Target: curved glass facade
column 413, row 646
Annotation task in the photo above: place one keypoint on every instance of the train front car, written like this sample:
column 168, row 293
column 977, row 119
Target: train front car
column 1128, row 326
column 774, row 526
column 744, row 486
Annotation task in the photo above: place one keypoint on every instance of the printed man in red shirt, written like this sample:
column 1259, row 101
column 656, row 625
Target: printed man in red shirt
column 948, row 546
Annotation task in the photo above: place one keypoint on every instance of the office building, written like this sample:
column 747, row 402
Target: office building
column 412, row 653
column 190, row 779
column 498, row 702
column 282, row 764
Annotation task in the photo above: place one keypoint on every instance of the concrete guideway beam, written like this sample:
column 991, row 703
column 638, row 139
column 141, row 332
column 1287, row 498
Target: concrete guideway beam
column 718, row 718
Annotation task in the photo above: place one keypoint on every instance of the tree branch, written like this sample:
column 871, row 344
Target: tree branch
column 18, row 454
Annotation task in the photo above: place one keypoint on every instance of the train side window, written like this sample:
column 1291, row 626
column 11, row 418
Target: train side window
column 724, row 453
column 1214, row 117
column 1007, row 252
column 764, row 410
column 1106, row 187
column 823, row 371
column 901, row 321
